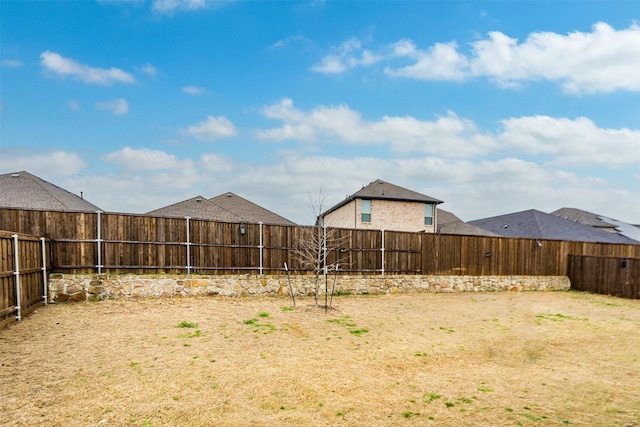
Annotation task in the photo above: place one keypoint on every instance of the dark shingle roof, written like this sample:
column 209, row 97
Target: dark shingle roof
column 23, row 190
column 583, row 217
column 533, row 224
column 249, row 211
column 381, row 190
column 599, row 221
column 197, row 208
column 448, row 223
column 227, row 207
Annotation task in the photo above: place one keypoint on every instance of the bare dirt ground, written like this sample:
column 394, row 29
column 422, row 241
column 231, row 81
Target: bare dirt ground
column 485, row 359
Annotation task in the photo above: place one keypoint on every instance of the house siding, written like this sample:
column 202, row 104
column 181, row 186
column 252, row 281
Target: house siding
column 385, row 215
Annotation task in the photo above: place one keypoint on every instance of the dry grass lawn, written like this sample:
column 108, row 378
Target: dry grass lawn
column 485, row 359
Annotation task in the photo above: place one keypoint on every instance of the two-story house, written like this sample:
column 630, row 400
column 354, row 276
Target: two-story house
column 384, row 206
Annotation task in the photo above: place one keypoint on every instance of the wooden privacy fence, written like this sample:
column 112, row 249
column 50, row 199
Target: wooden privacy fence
column 122, row 243
column 605, row 275
column 23, row 275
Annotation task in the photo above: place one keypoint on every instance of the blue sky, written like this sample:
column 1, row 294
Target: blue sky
column 493, row 107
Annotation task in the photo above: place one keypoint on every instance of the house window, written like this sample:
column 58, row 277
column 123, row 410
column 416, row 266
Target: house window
column 366, row 211
column 428, row 214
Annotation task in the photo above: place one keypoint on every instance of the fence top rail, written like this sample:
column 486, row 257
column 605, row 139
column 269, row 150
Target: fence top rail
column 10, row 234
column 604, row 257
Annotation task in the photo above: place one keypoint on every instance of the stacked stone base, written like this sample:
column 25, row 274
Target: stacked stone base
column 82, row 287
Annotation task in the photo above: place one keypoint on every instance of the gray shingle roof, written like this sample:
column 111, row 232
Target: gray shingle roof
column 381, row 190
column 197, row 208
column 249, row 211
column 227, row 207
column 448, row 223
column 23, row 190
column 594, row 220
column 583, row 217
column 533, row 224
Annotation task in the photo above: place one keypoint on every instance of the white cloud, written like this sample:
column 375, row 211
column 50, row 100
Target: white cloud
column 119, row 107
column 571, row 142
column 144, row 159
column 346, row 56
column 62, row 66
column 56, row 163
column 150, row 70
column 74, row 105
column 211, row 129
column 170, row 6
column 578, row 142
column 12, row 63
column 603, row 60
column 147, row 179
column 290, row 40
column 193, row 90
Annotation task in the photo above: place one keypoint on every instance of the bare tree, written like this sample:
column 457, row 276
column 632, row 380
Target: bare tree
column 315, row 246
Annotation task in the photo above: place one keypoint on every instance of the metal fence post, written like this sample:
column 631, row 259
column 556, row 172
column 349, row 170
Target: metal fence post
column 382, row 252
column 16, row 272
column 188, row 246
column 45, row 289
column 99, row 242
column 261, row 250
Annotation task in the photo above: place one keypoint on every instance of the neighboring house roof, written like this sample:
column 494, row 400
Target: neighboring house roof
column 249, row 211
column 594, row 220
column 448, row 223
column 227, row 207
column 533, row 224
column 197, row 208
column 381, row 190
column 22, row 190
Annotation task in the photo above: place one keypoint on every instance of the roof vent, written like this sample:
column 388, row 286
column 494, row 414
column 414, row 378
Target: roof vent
column 198, row 200
column 15, row 175
column 505, row 226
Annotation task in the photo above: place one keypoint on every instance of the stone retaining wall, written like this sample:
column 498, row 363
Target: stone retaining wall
column 85, row 287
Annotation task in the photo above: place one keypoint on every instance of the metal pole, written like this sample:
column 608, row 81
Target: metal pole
column 382, row 251
column 44, row 272
column 188, row 247
column 99, row 242
column 261, row 249
column 16, row 272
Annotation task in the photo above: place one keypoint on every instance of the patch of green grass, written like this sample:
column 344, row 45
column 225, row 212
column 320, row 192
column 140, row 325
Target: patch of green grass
column 286, row 308
column 358, row 332
column 428, row 398
column 186, row 324
column 265, row 328
column 558, row 317
column 195, row 334
column 447, row 329
column 449, row 404
column 410, row 414
column 418, row 353
column 263, row 314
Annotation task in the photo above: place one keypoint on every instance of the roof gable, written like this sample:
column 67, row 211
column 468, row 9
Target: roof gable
column 382, row 190
column 23, row 190
column 533, row 224
column 197, row 208
column 248, row 211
